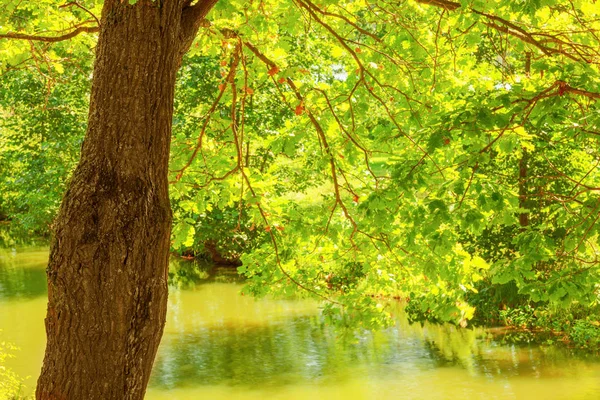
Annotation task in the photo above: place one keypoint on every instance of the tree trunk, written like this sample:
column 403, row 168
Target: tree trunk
column 107, row 274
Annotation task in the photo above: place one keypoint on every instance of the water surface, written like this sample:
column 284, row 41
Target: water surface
column 219, row 344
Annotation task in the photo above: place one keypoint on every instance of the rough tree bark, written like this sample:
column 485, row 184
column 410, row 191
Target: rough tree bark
column 107, row 274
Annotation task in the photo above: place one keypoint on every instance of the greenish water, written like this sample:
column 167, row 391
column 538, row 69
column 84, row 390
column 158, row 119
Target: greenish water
column 219, row 344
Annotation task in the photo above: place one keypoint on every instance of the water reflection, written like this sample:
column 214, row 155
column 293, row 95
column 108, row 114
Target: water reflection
column 219, row 344
column 302, row 349
column 185, row 274
column 276, row 354
column 21, row 275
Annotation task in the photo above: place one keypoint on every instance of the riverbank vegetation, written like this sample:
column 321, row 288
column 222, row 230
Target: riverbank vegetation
column 11, row 385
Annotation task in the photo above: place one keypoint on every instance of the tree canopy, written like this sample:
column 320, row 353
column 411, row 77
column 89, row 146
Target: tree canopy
column 426, row 149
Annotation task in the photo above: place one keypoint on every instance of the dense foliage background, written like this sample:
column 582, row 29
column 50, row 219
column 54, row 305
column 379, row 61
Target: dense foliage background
column 439, row 152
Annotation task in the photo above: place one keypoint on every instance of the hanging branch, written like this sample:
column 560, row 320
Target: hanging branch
column 362, row 72
column 240, row 167
column 580, row 52
column 228, row 80
column 322, row 138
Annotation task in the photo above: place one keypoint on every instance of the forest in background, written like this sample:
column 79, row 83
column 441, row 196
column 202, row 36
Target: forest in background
column 442, row 153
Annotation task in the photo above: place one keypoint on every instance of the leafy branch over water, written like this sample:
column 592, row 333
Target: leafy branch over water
column 442, row 152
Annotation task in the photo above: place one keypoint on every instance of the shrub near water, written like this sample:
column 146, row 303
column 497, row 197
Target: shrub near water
column 10, row 384
column 586, row 334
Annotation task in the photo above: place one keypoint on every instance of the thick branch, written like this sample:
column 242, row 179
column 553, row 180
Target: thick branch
column 192, row 18
column 447, row 5
column 50, row 39
column 564, row 87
